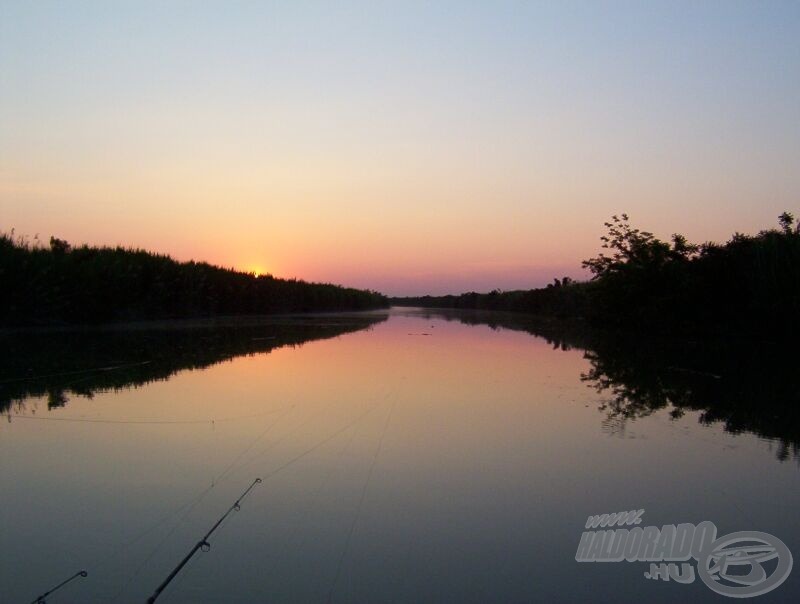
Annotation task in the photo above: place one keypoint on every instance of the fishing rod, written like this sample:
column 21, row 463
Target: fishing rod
column 203, row 544
column 41, row 599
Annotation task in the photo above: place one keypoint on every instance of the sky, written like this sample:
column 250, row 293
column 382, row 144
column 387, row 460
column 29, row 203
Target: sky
column 410, row 148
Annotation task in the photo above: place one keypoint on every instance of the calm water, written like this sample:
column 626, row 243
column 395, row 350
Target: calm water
column 407, row 457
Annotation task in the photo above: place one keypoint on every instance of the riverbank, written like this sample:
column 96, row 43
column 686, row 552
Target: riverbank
column 61, row 285
column 748, row 286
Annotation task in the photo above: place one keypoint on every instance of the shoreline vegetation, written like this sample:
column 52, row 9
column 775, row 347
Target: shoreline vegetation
column 748, row 286
column 64, row 285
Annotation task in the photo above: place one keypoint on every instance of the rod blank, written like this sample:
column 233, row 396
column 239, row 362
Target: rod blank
column 202, row 544
column 41, row 599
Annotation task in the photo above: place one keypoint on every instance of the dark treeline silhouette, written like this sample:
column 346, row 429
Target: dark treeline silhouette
column 749, row 285
column 60, row 284
column 746, row 386
column 57, row 364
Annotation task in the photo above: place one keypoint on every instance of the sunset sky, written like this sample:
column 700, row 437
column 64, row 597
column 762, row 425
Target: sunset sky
column 405, row 147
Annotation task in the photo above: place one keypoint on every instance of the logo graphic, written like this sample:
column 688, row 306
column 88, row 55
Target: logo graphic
column 739, row 565
column 734, row 564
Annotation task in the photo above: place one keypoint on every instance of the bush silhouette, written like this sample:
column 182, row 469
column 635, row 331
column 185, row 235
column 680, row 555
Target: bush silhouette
column 67, row 284
column 748, row 285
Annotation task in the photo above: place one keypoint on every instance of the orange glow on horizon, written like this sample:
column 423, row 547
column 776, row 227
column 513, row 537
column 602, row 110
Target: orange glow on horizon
column 257, row 270
column 474, row 155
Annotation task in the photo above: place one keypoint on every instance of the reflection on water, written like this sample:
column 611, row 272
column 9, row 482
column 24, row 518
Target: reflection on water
column 430, row 457
column 747, row 386
column 82, row 362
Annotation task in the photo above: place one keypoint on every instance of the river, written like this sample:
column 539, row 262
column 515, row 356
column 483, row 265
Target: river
column 410, row 455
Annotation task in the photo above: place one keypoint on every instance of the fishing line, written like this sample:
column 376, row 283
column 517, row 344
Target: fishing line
column 77, row 372
column 274, row 443
column 269, row 475
column 226, row 473
column 230, row 467
column 202, row 544
column 191, row 505
column 145, row 421
column 318, row 445
column 361, row 502
column 312, row 449
column 291, row 537
column 312, row 497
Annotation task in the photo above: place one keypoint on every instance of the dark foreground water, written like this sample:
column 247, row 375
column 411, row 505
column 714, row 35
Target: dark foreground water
column 406, row 457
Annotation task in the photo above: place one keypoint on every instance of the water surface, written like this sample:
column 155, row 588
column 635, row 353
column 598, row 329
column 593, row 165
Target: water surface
column 414, row 456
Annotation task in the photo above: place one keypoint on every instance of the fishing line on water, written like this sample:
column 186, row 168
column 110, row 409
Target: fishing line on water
column 192, row 502
column 191, row 505
column 145, row 421
column 202, row 545
column 230, row 467
column 77, row 372
column 233, row 468
column 270, row 474
column 311, row 449
column 360, row 505
column 312, row 497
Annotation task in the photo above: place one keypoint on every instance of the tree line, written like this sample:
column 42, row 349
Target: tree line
column 61, row 284
column 747, row 285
